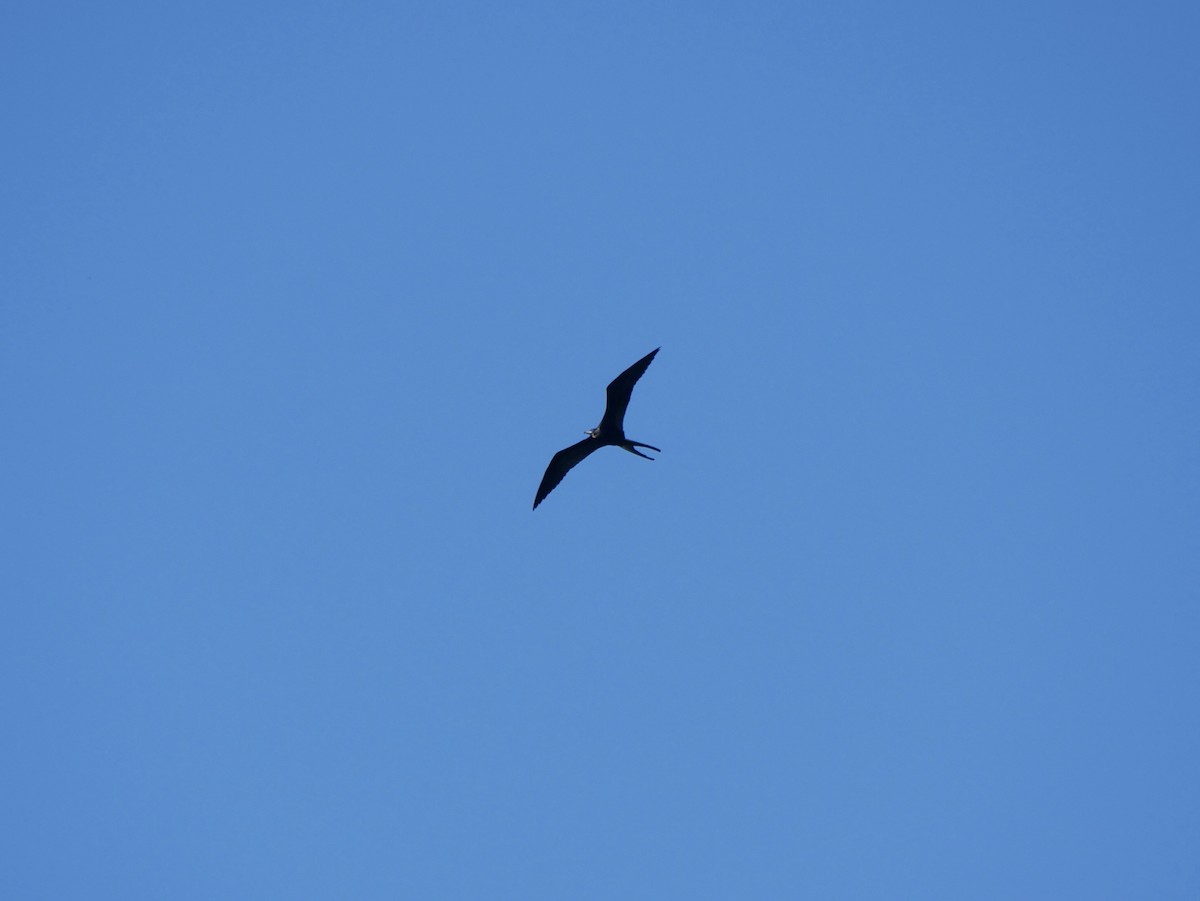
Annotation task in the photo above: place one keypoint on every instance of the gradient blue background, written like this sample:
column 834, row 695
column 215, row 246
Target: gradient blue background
column 300, row 298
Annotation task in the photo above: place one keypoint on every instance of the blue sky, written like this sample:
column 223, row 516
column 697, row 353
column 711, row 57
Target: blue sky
column 301, row 298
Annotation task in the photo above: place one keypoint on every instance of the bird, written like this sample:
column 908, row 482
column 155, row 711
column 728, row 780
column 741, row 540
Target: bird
column 611, row 430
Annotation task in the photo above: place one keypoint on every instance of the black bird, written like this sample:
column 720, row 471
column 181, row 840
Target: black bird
column 610, row 431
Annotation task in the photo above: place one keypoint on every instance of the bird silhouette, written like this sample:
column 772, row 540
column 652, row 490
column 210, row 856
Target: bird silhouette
column 610, row 431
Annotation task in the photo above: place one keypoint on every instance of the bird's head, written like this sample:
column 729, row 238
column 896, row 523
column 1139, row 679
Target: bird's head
column 595, row 433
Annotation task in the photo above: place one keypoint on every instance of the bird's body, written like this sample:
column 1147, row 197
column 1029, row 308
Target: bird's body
column 611, row 430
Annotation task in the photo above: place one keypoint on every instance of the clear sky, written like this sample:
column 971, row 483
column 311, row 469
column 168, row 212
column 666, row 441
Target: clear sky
column 299, row 299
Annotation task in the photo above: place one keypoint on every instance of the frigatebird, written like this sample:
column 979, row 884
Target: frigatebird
column 610, row 431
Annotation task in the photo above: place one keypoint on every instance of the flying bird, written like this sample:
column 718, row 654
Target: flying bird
column 610, row 431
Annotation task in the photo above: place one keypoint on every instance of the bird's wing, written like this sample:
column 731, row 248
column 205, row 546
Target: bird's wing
column 619, row 391
column 560, row 465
